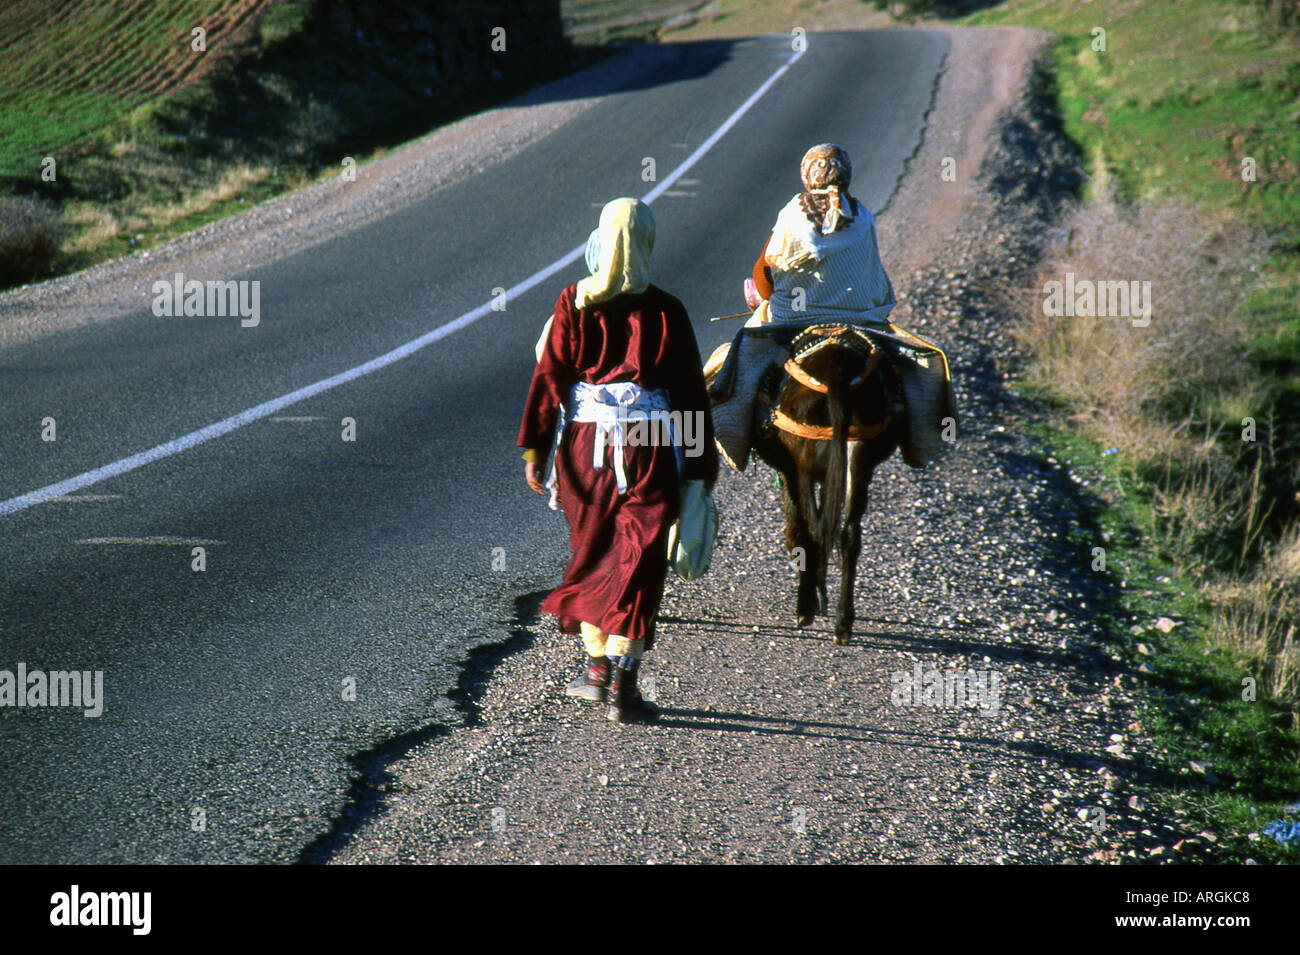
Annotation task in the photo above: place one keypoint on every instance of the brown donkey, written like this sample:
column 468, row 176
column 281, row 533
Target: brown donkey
column 836, row 413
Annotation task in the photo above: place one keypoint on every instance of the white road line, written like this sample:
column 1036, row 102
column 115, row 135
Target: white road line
column 153, row 541
column 85, row 498
column 268, row 408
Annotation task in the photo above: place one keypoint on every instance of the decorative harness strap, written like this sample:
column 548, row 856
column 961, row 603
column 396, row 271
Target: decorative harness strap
column 796, row 371
column 853, row 432
column 813, row 383
column 829, row 335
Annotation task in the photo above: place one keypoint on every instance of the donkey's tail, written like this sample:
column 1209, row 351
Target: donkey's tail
column 833, row 488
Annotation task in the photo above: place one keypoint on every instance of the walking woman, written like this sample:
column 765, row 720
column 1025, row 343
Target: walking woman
column 618, row 350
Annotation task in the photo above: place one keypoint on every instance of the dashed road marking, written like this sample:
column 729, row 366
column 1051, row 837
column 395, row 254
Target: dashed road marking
column 84, row 498
column 153, row 541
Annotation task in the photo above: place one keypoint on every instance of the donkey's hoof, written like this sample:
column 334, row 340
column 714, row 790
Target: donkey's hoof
column 842, row 639
column 803, row 620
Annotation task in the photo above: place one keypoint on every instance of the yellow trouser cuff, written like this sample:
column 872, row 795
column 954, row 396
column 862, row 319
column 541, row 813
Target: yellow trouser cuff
column 617, row 646
column 593, row 639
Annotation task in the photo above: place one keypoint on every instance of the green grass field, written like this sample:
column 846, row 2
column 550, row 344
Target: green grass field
column 1184, row 98
column 151, row 138
column 1193, row 700
column 74, row 69
column 1198, row 102
column 1182, row 93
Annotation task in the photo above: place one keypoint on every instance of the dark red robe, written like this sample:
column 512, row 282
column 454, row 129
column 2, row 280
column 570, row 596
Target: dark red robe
column 615, row 577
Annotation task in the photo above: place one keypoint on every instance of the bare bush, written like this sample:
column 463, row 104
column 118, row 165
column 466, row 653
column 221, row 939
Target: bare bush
column 1124, row 380
column 1169, row 393
column 30, row 234
column 1258, row 617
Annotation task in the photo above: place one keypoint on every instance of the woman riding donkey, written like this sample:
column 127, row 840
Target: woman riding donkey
column 840, row 387
column 618, row 350
column 820, row 266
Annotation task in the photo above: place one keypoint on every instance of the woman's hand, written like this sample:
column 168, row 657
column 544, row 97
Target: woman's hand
column 533, row 475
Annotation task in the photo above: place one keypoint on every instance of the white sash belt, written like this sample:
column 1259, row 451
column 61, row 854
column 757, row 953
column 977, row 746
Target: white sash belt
column 611, row 408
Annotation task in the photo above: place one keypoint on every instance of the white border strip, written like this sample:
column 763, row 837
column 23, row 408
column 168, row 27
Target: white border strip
column 268, row 408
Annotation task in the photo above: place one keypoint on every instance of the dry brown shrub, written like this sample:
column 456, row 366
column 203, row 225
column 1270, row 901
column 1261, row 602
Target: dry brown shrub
column 1126, row 383
column 30, row 233
column 1167, row 395
column 1259, row 615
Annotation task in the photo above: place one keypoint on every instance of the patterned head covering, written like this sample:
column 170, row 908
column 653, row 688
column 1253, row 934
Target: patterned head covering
column 826, row 171
column 620, row 249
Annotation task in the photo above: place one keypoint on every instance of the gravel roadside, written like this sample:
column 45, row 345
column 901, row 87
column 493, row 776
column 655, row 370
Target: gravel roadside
column 777, row 746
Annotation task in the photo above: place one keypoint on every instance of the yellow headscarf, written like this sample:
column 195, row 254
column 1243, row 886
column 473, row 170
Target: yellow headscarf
column 626, row 239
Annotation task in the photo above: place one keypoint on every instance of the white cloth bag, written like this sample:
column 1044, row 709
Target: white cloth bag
column 690, row 542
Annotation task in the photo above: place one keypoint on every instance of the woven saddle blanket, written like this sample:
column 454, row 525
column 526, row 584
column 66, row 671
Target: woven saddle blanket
column 746, row 368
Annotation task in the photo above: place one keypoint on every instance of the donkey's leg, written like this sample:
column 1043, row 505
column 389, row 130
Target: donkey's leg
column 823, row 557
column 796, row 539
column 859, row 487
column 803, row 511
column 794, row 532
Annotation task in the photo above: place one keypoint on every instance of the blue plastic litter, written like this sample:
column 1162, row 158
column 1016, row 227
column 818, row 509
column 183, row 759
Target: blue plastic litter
column 1287, row 833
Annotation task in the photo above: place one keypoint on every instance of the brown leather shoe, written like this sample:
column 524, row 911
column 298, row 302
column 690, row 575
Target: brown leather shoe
column 626, row 704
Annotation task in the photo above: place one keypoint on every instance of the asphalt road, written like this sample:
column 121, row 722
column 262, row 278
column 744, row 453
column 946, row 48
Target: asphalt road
column 381, row 560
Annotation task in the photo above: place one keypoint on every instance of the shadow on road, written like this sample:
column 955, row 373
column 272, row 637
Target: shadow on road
column 936, row 740
column 960, row 639
column 373, row 781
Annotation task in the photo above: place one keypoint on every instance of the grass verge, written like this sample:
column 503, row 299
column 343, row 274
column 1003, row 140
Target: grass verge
column 1224, row 751
column 1186, row 115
